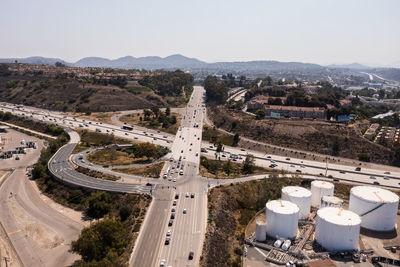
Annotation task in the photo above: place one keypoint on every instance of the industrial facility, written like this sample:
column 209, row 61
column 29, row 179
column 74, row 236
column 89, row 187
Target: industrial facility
column 308, row 225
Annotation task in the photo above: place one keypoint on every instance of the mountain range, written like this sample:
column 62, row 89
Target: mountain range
column 178, row 61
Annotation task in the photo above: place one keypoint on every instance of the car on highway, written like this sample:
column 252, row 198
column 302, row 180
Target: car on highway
column 173, row 209
column 192, row 195
column 372, row 177
column 197, row 153
column 174, row 203
column 298, row 170
column 386, row 172
column 170, row 222
column 162, row 263
column 16, row 158
column 358, row 169
column 174, row 179
column 292, row 166
column 272, row 165
column 287, row 158
column 242, row 149
column 342, row 171
column 176, row 196
column 191, row 255
column 169, row 232
column 376, row 183
column 167, row 240
column 385, row 177
column 170, row 178
column 187, row 194
column 184, row 211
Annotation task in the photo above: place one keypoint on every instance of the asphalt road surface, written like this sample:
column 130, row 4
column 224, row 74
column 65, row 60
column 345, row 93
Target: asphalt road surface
column 187, row 229
column 40, row 235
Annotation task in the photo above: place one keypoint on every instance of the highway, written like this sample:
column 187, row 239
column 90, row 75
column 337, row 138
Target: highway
column 187, row 230
column 61, row 168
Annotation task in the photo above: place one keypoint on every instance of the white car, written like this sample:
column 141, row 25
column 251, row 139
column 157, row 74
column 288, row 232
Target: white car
column 170, row 178
column 162, row 264
column 184, row 211
column 187, row 194
column 169, row 232
column 174, row 179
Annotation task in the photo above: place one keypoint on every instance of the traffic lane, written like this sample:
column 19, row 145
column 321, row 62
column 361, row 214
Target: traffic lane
column 315, row 164
column 147, row 251
column 22, row 197
column 286, row 165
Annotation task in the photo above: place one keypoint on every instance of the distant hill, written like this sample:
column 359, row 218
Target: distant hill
column 353, row 66
column 171, row 62
column 152, row 62
column 34, row 60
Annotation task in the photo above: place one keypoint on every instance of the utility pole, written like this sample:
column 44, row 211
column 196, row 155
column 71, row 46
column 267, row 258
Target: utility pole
column 326, row 169
column 6, row 260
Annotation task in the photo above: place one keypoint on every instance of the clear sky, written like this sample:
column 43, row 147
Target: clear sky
column 316, row 31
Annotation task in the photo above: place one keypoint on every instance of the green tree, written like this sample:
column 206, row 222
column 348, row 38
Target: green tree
column 147, row 113
column 248, row 165
column 216, row 92
column 228, row 169
column 236, row 139
column 260, row 114
column 99, row 204
column 38, row 171
column 364, row 157
column 100, row 240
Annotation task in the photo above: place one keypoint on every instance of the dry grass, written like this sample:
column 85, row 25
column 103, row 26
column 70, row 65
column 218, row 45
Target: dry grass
column 150, row 171
column 111, row 157
column 134, row 119
column 101, row 117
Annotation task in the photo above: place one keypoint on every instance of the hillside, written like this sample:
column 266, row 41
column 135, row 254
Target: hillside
column 308, row 135
column 69, row 93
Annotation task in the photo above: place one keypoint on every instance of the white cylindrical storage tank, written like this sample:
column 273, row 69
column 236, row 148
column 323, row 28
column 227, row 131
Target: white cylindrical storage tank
column 337, row 229
column 261, row 231
column 299, row 196
column 278, row 243
column 331, row 201
column 286, row 244
column 281, row 218
column 376, row 206
column 320, row 189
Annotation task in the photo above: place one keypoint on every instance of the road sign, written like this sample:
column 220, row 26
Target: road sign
column 275, row 115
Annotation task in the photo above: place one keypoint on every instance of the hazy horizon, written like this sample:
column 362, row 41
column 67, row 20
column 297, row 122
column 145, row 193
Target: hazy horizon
column 310, row 31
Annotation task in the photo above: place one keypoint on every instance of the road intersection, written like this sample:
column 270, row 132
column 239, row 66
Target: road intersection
column 188, row 228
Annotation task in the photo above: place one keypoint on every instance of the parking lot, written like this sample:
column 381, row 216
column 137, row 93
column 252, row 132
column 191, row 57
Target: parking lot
column 10, row 141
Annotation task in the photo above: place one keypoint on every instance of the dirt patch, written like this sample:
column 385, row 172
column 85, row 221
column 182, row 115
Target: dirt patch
column 102, row 117
column 44, row 237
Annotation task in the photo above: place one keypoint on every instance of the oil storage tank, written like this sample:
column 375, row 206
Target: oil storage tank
column 281, row 218
column 261, row 231
column 376, row 206
column 337, row 229
column 331, row 201
column 320, row 189
column 299, row 196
